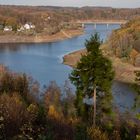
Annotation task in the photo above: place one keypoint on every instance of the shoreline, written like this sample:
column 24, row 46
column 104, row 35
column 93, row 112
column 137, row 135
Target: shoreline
column 72, row 58
column 124, row 72
column 63, row 34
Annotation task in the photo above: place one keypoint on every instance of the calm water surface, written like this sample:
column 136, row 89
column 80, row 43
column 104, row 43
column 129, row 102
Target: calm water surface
column 43, row 61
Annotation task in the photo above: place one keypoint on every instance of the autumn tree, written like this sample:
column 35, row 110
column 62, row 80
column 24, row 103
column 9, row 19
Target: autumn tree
column 52, row 100
column 12, row 22
column 93, row 78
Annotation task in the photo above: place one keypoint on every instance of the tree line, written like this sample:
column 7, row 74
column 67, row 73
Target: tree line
column 124, row 42
column 19, row 15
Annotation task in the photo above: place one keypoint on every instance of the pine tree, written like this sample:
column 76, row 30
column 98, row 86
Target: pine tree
column 93, row 77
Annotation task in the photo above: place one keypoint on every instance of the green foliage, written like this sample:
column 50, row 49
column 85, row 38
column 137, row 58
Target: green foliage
column 67, row 102
column 93, row 71
column 41, row 114
column 138, row 116
column 81, row 132
column 136, row 87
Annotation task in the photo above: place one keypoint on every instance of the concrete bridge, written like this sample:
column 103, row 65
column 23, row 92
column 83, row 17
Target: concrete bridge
column 107, row 22
column 102, row 21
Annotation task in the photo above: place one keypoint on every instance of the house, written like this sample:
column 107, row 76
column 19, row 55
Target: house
column 27, row 26
column 7, row 28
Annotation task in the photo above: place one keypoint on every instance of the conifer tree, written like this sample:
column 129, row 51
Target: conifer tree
column 93, row 78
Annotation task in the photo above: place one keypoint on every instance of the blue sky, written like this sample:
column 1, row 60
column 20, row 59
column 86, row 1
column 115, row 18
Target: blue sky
column 78, row 3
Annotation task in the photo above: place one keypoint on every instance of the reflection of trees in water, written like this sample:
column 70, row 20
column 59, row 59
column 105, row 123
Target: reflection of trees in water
column 12, row 47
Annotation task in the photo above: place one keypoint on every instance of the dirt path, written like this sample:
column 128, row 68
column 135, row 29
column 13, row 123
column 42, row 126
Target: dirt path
column 66, row 34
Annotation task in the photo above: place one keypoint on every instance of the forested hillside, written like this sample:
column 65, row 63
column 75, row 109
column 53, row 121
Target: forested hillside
column 125, row 42
column 52, row 19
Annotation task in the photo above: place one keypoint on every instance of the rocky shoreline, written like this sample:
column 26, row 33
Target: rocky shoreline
column 40, row 38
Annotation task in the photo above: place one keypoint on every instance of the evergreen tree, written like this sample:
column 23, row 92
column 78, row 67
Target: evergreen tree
column 93, row 77
column 136, row 87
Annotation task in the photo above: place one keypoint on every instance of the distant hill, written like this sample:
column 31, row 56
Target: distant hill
column 52, row 17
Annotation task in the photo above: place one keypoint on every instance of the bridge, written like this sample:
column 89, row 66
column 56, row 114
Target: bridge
column 107, row 22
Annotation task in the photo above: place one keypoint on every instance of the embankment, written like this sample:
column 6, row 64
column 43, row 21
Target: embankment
column 124, row 72
column 15, row 38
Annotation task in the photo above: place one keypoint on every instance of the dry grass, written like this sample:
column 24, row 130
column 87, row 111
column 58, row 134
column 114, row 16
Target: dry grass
column 123, row 70
column 8, row 38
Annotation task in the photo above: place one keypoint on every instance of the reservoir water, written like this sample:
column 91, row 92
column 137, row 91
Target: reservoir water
column 43, row 61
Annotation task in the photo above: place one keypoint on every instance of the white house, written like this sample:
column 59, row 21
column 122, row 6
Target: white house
column 27, row 26
column 7, row 28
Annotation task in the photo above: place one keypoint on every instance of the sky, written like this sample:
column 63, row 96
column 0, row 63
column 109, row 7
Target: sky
column 75, row 3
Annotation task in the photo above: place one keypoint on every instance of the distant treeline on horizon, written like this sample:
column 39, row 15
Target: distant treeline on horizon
column 56, row 16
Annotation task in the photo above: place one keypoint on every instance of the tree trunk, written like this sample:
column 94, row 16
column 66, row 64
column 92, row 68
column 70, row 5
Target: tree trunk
column 94, row 102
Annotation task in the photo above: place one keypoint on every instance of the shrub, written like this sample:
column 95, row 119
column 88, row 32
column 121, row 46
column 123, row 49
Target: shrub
column 14, row 113
column 97, row 134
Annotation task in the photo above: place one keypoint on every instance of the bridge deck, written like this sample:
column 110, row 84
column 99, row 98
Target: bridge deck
column 103, row 22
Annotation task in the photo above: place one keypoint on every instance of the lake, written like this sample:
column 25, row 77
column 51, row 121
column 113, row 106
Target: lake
column 43, row 61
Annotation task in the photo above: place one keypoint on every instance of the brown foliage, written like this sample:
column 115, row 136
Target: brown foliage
column 97, row 134
column 13, row 112
column 59, row 15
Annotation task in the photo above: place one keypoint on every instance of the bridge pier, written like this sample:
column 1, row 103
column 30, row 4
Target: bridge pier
column 83, row 25
column 107, row 25
column 95, row 25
